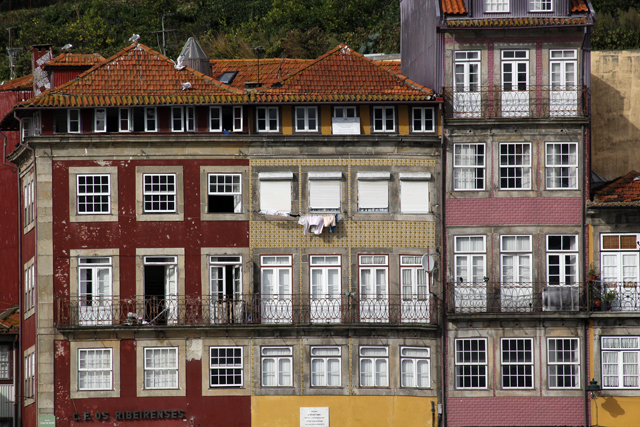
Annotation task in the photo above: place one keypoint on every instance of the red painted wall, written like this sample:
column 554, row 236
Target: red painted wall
column 227, row 411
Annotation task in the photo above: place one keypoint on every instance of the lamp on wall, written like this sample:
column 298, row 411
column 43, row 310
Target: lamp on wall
column 594, row 388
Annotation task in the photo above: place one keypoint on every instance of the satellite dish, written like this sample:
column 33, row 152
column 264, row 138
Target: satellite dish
column 428, row 262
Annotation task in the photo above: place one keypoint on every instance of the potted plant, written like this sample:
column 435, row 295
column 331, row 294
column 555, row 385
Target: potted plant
column 592, row 273
column 607, row 299
column 595, row 288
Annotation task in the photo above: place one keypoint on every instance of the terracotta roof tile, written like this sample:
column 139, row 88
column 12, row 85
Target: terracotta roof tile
column 392, row 66
column 271, row 70
column 579, row 6
column 21, row 83
column 344, row 75
column 453, row 7
column 516, row 22
column 622, row 191
column 75, row 60
column 137, row 75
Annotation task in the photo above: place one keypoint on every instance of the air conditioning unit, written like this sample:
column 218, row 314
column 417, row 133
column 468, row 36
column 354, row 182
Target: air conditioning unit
column 560, row 298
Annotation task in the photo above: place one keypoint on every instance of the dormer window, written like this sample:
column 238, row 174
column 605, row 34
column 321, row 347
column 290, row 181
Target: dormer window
column 497, row 6
column 541, row 5
column 73, row 121
column 268, row 119
column 150, row 119
column 177, row 122
column 100, row 120
column 125, row 120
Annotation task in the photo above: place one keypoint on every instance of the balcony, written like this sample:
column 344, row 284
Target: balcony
column 527, row 101
column 608, row 296
column 141, row 311
column 512, row 298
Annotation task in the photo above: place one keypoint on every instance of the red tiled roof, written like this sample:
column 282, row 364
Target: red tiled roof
column 137, row 75
column 75, row 60
column 344, row 75
column 21, row 83
column 391, row 65
column 516, row 22
column 622, row 191
column 453, row 6
column 271, row 69
column 579, row 6
column 10, row 320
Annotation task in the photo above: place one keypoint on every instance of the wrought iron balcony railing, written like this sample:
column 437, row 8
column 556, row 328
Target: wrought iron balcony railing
column 496, row 297
column 615, row 296
column 244, row 310
column 523, row 101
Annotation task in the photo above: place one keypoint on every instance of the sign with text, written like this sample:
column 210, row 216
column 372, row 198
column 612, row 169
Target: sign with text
column 314, row 417
column 346, row 125
column 47, row 421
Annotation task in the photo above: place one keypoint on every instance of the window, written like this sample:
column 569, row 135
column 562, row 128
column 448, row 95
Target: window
column 275, row 191
column 515, row 166
column 514, row 98
column 215, row 119
column 100, row 120
column 373, row 192
column 374, row 366
column 28, row 198
column 562, row 259
column 517, row 362
column 496, row 5
column 224, row 193
column 470, row 258
column 73, row 121
column 413, row 279
column 325, row 191
column 306, row 119
column 384, row 119
column 225, row 275
column 415, row 367
column 95, row 369
column 30, row 374
column 275, row 285
column 342, row 112
column 326, row 367
column 225, row 364
column 125, row 119
column 237, row 119
column 190, row 118
column 619, row 259
column 414, row 192
column 268, row 119
column 467, row 102
column 563, row 363
column 6, row 363
column 150, row 119
column 95, row 290
column 515, row 259
column 374, row 288
column 177, row 121
column 540, row 5
column 471, row 363
column 325, row 271
column 423, row 119
column 159, row 192
column 161, row 367
column 620, row 358
column 93, row 194
column 30, row 287
column 277, row 366
column 561, row 169
column 468, row 166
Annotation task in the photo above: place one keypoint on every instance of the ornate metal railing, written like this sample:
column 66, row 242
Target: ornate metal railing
column 496, row 297
column 615, row 296
column 244, row 310
column 527, row 101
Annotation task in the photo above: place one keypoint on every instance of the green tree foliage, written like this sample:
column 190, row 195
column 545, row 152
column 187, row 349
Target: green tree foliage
column 617, row 25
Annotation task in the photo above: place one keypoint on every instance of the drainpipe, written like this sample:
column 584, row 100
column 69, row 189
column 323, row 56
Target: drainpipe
column 17, row 410
column 443, row 170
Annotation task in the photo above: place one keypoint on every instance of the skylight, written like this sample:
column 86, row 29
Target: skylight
column 227, row 77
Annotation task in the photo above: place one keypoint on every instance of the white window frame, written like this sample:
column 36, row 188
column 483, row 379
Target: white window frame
column 173, row 372
column 95, row 300
column 76, row 121
column 29, row 376
column 100, row 120
column 464, row 366
column 565, row 169
column 540, row 5
column 6, row 362
column 369, row 263
column 524, row 167
column 30, row 287
column 309, row 123
column 282, row 377
column 28, row 197
column 553, row 364
column 613, row 345
column 620, row 264
column 413, row 290
column 415, row 193
column 284, row 181
column 95, row 194
column 325, row 192
column 410, row 374
column 351, row 111
column 238, row 119
column 473, row 165
column 215, row 119
column 231, row 185
column 190, row 118
column 518, row 255
column 468, row 259
column 160, row 197
column 370, row 186
column 220, row 262
column 567, row 250
column 321, row 371
column 105, row 371
column 268, row 123
column 379, row 374
column 125, row 124
column 229, row 369
column 150, row 119
column 419, row 117
column 386, row 115
column 496, row 6
column 177, row 119
column 276, row 264
column 523, row 367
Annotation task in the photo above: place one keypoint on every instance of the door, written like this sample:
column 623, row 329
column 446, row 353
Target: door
column 226, row 304
column 325, row 289
column 466, row 94
column 515, row 83
column 374, row 288
column 620, row 274
column 94, row 291
column 563, row 98
column 161, row 290
column 516, row 289
column 415, row 290
column 276, row 299
column 470, row 289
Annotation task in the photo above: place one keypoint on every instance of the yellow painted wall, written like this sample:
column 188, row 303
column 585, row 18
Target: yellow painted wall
column 287, row 120
column 325, row 119
column 365, row 120
column 616, row 411
column 403, row 119
column 344, row 411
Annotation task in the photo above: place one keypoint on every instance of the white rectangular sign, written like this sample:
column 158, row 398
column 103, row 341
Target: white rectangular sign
column 314, row 417
column 346, row 125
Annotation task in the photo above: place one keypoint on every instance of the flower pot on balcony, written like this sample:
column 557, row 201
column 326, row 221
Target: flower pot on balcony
column 596, row 304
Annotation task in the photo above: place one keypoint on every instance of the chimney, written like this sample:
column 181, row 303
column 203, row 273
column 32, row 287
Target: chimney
column 194, row 57
column 40, row 55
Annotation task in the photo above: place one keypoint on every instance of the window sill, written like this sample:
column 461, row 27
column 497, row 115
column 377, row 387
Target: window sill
column 159, row 217
column 225, row 216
